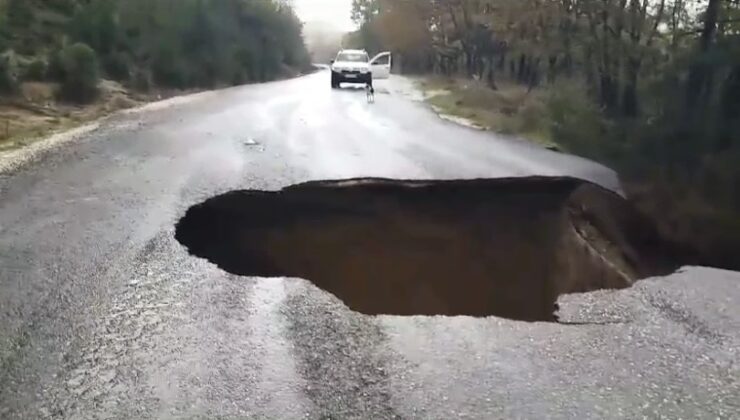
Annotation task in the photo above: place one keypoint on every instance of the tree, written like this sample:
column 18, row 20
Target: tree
column 659, row 81
column 701, row 72
column 19, row 13
column 8, row 75
column 364, row 11
column 81, row 75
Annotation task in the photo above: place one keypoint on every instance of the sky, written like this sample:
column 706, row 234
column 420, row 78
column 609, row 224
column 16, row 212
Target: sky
column 335, row 13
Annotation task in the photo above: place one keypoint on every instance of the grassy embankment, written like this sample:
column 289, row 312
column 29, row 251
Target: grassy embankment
column 511, row 109
column 34, row 113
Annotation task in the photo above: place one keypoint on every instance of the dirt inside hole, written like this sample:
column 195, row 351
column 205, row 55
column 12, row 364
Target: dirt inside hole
column 503, row 247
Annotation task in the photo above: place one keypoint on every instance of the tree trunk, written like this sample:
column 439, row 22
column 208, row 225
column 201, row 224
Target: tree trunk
column 567, row 65
column 700, row 72
column 480, row 64
column 731, row 95
column 630, row 104
column 491, row 79
column 512, row 69
column 589, row 70
column 521, row 72
column 608, row 91
column 551, row 69
column 730, row 112
column 469, row 62
column 533, row 79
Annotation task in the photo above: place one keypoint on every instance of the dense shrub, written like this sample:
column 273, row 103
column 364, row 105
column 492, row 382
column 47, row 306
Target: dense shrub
column 691, row 188
column 576, row 122
column 8, row 75
column 175, row 43
column 142, row 80
column 55, row 67
column 19, row 13
column 168, row 68
column 117, row 66
column 4, row 32
column 81, row 75
column 36, row 70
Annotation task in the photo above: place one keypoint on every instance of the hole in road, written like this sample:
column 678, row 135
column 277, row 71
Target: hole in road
column 503, row 247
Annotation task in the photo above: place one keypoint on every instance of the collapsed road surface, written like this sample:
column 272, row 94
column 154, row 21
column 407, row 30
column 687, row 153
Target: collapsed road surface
column 506, row 247
column 103, row 314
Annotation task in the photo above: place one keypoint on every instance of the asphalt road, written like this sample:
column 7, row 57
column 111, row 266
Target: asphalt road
column 103, row 315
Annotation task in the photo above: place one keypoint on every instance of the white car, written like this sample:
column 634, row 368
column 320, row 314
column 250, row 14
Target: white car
column 355, row 66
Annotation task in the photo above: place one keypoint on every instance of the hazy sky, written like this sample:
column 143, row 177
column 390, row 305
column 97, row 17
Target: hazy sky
column 332, row 12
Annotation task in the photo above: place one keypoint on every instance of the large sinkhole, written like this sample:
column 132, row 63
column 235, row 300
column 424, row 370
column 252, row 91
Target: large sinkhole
column 503, row 247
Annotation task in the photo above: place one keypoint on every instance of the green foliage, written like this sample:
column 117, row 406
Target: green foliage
column 576, row 122
column 117, row 66
column 4, row 30
column 66, row 7
column 168, row 68
column 650, row 88
column 208, row 43
column 364, row 10
column 81, row 74
column 364, row 38
column 19, row 13
column 173, row 43
column 688, row 161
column 35, row 70
column 20, row 19
column 95, row 25
column 55, row 68
column 8, row 74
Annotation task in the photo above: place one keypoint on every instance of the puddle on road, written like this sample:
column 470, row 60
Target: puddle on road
column 503, row 247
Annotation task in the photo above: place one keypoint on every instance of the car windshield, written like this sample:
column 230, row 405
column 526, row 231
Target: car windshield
column 353, row 57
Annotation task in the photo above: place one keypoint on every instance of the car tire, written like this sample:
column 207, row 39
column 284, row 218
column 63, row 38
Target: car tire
column 334, row 81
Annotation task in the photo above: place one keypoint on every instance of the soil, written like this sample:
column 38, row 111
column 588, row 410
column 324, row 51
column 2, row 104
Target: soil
column 503, row 247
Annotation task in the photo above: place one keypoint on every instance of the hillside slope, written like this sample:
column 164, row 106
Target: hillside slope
column 54, row 51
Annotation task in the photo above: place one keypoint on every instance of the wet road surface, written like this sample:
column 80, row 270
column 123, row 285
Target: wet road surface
column 103, row 315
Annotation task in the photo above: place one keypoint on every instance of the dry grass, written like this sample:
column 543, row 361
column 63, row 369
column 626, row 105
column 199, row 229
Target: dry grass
column 38, row 93
column 34, row 113
column 511, row 109
column 18, row 125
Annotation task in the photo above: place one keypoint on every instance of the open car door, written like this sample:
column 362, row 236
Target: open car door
column 380, row 65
